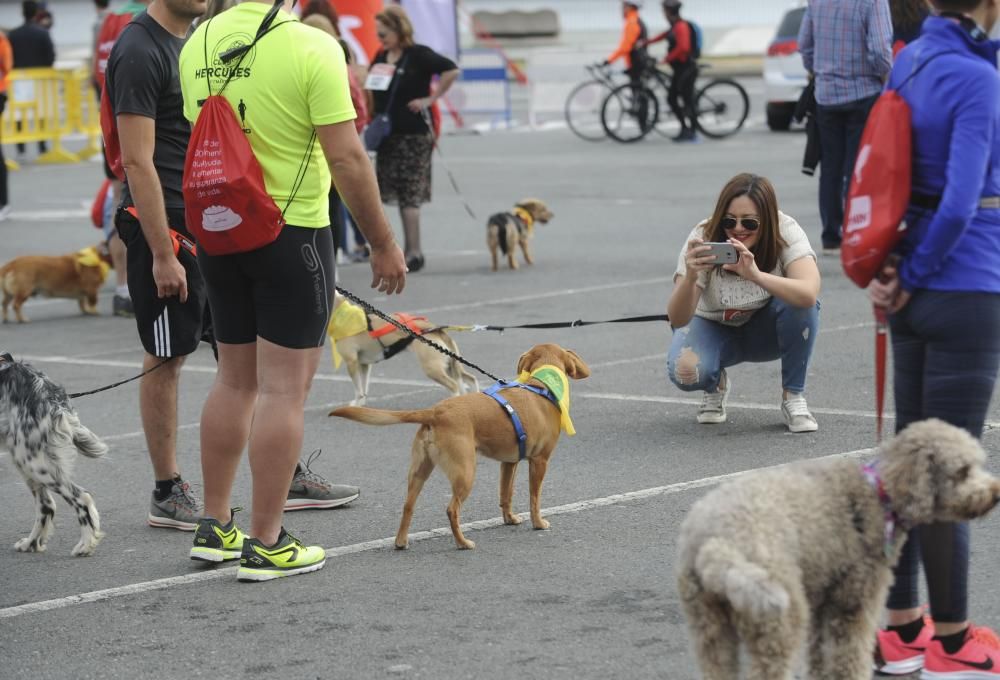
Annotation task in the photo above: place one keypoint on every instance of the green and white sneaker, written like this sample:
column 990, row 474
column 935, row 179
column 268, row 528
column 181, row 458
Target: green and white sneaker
column 287, row 557
column 216, row 542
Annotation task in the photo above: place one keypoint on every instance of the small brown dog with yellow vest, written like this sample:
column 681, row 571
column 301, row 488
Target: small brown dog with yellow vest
column 506, row 231
column 77, row 276
column 361, row 340
column 523, row 423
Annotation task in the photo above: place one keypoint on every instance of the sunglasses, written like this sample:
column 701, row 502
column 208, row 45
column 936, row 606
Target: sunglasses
column 749, row 223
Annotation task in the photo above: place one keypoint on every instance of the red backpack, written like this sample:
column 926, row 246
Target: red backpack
column 111, row 29
column 880, row 186
column 226, row 202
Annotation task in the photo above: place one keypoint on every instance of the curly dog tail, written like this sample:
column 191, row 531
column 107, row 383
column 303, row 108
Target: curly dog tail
column 725, row 571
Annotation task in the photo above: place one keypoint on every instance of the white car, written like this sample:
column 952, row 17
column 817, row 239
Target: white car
column 784, row 75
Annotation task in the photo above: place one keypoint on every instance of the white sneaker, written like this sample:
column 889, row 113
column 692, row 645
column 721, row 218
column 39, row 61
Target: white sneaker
column 713, row 405
column 797, row 415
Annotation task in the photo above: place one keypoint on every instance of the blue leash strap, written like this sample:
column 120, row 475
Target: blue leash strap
column 493, row 391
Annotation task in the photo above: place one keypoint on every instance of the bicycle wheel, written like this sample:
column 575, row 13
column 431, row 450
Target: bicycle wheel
column 583, row 110
column 629, row 113
column 722, row 107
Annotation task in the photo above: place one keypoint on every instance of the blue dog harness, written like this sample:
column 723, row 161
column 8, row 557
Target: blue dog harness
column 522, row 436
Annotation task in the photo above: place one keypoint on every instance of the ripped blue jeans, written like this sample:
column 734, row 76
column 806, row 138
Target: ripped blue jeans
column 700, row 350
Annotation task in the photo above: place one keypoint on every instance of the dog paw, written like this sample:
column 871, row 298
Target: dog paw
column 404, row 546
column 86, row 546
column 28, row 545
column 468, row 545
column 512, row 519
column 540, row 525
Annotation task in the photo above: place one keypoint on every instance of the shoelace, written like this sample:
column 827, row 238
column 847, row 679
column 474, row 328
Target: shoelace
column 307, row 472
column 796, row 406
column 183, row 496
column 712, row 401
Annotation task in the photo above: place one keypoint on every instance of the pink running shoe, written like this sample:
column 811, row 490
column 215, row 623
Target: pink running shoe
column 895, row 657
column 978, row 659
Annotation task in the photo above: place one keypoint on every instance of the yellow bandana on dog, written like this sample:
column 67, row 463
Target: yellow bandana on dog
column 89, row 257
column 346, row 320
column 555, row 379
column 525, row 216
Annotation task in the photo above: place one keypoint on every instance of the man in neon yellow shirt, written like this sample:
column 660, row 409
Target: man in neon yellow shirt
column 271, row 306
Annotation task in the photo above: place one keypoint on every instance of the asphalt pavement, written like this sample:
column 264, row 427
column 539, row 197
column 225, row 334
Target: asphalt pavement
column 593, row 597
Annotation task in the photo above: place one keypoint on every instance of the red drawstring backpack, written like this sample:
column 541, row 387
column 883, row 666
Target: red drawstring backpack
column 226, row 202
column 876, row 204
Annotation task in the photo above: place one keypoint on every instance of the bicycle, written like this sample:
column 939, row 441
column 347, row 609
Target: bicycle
column 631, row 111
column 583, row 105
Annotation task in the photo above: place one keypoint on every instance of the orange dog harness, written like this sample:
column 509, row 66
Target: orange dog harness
column 178, row 239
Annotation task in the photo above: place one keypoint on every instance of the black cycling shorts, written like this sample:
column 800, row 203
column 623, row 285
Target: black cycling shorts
column 282, row 292
column 167, row 327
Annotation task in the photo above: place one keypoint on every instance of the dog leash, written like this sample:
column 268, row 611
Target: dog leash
column 427, row 119
column 76, row 395
column 561, row 324
column 388, row 319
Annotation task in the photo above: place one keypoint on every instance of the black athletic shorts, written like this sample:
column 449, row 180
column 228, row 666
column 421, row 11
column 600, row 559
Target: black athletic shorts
column 282, row 292
column 167, row 327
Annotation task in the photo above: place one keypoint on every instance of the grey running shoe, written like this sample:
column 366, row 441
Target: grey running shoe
column 713, row 405
column 122, row 306
column 180, row 510
column 309, row 491
column 797, row 415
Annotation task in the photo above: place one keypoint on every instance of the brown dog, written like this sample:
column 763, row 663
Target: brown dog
column 456, row 429
column 360, row 348
column 76, row 276
column 505, row 231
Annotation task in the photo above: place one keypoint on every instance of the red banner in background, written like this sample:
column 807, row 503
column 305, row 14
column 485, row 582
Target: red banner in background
column 357, row 26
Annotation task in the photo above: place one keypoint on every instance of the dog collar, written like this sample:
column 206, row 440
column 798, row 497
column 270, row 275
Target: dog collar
column 493, row 391
column 525, row 217
column 892, row 521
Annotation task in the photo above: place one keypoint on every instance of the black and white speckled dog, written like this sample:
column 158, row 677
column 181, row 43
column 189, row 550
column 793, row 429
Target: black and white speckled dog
column 42, row 432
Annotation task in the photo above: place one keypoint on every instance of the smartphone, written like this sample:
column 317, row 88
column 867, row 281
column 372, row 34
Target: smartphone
column 725, row 253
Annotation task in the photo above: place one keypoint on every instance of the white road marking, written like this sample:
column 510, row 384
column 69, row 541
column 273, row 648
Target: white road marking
column 382, row 543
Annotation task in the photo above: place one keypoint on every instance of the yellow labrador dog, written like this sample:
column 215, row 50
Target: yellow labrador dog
column 361, row 340
column 508, row 230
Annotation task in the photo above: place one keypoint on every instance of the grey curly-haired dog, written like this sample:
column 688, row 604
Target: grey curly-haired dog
column 805, row 552
column 42, row 432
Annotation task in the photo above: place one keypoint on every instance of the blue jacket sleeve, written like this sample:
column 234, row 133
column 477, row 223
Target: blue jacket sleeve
column 806, row 41
column 971, row 144
column 879, row 37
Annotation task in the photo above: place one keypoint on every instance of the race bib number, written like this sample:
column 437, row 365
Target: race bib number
column 379, row 77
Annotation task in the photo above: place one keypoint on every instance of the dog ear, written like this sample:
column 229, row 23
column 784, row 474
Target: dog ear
column 575, row 367
column 526, row 361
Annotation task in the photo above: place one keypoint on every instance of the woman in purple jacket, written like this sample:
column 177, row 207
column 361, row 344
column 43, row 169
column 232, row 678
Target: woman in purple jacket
column 943, row 296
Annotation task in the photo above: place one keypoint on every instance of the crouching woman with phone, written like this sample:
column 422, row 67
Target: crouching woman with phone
column 745, row 289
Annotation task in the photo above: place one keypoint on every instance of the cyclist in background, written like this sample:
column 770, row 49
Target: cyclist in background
column 633, row 44
column 683, row 59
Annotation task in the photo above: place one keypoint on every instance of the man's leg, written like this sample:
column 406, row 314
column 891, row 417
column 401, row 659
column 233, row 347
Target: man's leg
column 158, row 408
column 285, row 377
column 225, row 425
column 832, row 141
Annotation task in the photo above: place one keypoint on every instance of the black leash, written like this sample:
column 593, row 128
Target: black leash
column 574, row 324
column 388, row 319
column 76, row 395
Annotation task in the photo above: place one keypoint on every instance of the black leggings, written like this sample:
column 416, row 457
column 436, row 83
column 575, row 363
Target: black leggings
column 682, row 89
column 946, row 350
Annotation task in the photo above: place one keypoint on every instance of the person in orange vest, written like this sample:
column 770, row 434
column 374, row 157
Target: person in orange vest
column 632, row 47
column 6, row 64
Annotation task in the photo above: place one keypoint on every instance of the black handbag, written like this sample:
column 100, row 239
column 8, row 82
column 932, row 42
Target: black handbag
column 380, row 126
